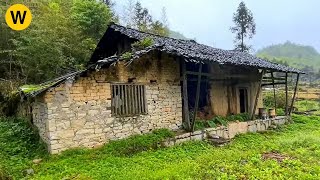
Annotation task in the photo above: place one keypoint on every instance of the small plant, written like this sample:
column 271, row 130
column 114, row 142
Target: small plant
column 142, row 44
column 126, row 56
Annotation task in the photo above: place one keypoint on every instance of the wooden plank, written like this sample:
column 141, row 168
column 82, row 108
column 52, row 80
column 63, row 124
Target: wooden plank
column 276, row 83
column 122, row 98
column 273, row 78
column 294, row 94
column 214, row 75
column 126, row 99
column 286, row 89
column 257, row 96
column 136, row 100
column 145, row 109
column 130, row 100
column 274, row 93
column 112, row 100
column 197, row 98
column 133, row 100
column 185, row 96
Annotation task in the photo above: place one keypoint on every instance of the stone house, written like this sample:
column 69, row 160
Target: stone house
column 166, row 84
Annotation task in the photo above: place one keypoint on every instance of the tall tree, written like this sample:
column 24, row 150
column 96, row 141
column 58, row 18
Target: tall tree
column 244, row 27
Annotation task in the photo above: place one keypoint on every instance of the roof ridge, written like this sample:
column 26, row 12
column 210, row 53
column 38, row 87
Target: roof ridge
column 115, row 24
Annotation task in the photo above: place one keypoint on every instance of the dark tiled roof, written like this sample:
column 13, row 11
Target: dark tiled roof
column 193, row 51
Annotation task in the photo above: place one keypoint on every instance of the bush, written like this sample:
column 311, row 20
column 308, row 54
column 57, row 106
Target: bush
column 4, row 175
column 137, row 143
column 19, row 145
column 268, row 99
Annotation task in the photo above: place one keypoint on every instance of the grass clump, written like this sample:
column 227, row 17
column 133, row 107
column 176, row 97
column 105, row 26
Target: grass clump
column 142, row 44
column 220, row 120
column 137, row 143
column 126, row 56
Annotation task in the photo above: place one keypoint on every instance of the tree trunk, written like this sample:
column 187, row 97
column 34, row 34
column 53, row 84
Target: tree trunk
column 242, row 48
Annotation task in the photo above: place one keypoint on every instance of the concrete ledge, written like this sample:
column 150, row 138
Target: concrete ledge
column 229, row 131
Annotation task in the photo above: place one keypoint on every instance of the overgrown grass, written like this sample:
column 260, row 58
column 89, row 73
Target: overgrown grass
column 19, row 144
column 241, row 159
column 220, row 120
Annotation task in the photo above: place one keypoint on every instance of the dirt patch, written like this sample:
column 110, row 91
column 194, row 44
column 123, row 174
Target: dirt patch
column 274, row 155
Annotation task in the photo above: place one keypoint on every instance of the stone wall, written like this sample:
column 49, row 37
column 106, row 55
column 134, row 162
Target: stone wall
column 227, row 132
column 77, row 113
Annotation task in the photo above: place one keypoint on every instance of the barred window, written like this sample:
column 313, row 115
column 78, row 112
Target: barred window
column 128, row 99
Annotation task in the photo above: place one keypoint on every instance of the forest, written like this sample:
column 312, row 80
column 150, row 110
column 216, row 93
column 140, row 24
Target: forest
column 62, row 37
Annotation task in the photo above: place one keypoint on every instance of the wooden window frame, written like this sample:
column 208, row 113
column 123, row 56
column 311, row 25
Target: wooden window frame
column 128, row 100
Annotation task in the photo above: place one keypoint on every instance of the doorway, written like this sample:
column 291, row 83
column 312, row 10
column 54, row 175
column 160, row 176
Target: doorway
column 243, row 98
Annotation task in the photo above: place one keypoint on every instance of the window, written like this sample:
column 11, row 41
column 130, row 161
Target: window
column 128, row 99
column 243, row 97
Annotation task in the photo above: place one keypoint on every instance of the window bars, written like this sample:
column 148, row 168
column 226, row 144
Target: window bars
column 128, row 99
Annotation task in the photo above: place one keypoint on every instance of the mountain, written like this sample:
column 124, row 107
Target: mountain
column 296, row 55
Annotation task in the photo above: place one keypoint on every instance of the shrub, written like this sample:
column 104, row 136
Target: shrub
column 19, row 144
column 268, row 99
column 137, row 143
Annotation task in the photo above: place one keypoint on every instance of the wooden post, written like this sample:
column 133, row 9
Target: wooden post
column 274, row 93
column 197, row 98
column 294, row 94
column 286, row 89
column 257, row 95
column 185, row 96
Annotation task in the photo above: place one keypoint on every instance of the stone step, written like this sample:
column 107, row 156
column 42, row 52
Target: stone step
column 217, row 141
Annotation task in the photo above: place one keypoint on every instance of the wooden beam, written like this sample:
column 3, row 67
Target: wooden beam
column 294, row 94
column 274, row 93
column 257, row 95
column 286, row 89
column 273, row 78
column 186, row 117
column 220, row 75
column 276, row 83
column 197, row 97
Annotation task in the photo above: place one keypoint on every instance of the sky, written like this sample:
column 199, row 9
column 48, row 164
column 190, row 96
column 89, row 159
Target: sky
column 209, row 21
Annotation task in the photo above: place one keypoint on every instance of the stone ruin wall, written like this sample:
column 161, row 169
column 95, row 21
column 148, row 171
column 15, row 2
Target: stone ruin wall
column 78, row 113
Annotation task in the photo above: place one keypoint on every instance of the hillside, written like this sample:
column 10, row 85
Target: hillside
column 296, row 55
column 177, row 35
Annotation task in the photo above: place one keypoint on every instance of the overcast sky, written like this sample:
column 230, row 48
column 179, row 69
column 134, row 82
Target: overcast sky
column 209, row 21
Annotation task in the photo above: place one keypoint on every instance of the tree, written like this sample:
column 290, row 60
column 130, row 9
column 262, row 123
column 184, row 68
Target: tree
column 60, row 39
column 137, row 17
column 245, row 27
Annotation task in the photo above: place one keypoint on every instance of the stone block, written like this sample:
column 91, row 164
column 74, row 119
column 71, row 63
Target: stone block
column 85, row 131
column 196, row 137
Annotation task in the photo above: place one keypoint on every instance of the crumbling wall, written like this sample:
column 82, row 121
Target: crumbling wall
column 40, row 117
column 79, row 111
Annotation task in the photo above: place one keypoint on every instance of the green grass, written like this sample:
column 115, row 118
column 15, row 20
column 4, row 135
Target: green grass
column 241, row 159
